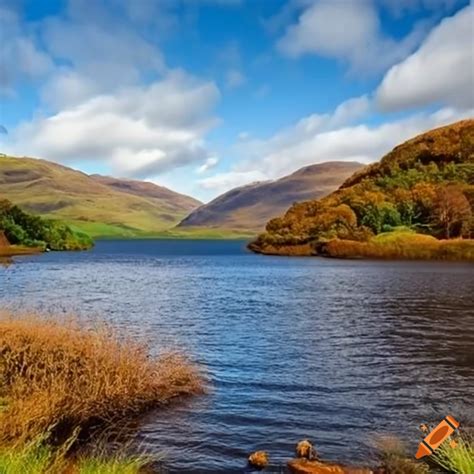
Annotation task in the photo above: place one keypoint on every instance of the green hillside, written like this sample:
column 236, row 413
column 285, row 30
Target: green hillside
column 424, row 187
column 97, row 205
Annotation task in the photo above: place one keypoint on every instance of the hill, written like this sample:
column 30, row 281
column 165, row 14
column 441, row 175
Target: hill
column 100, row 206
column 248, row 208
column 424, row 186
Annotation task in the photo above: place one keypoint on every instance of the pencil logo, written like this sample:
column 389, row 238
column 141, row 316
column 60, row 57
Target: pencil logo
column 436, row 437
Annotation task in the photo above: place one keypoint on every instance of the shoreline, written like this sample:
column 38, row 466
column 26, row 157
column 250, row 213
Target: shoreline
column 389, row 246
column 14, row 251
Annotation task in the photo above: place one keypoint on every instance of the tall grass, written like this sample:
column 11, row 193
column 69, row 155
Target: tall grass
column 34, row 458
column 394, row 457
column 456, row 457
column 402, row 245
column 63, row 379
column 39, row 458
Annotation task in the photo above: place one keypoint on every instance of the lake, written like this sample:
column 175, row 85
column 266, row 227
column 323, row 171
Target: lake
column 331, row 350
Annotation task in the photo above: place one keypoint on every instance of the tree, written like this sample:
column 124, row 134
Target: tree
column 451, row 209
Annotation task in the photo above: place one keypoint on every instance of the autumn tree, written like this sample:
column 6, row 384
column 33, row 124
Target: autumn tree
column 451, row 209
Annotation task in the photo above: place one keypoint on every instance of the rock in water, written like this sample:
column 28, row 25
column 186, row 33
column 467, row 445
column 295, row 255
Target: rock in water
column 259, row 459
column 305, row 449
column 303, row 466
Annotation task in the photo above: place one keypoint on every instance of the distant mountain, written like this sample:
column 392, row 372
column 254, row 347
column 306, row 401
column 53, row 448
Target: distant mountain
column 98, row 205
column 145, row 189
column 248, row 208
column 416, row 196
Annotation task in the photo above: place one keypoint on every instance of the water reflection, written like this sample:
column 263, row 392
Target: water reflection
column 6, row 262
column 325, row 349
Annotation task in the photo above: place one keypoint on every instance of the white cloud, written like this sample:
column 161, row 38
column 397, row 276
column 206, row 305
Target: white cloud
column 329, row 137
column 100, row 54
column 138, row 131
column 210, row 163
column 235, row 78
column 20, row 58
column 67, row 88
column 223, row 182
column 441, row 71
column 349, row 31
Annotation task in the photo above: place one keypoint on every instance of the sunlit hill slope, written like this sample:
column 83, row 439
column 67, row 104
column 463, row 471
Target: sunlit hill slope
column 98, row 205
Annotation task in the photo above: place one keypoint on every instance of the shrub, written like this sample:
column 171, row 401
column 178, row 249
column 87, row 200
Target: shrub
column 395, row 459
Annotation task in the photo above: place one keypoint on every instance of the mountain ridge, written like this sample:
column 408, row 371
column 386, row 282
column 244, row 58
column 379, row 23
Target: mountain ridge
column 248, row 207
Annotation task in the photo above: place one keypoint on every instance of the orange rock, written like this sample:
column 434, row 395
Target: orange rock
column 305, row 449
column 259, row 459
column 303, row 466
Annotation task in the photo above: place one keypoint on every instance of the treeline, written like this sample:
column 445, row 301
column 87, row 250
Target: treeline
column 426, row 185
column 22, row 228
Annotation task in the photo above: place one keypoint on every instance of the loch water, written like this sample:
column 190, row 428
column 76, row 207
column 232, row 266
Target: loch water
column 336, row 351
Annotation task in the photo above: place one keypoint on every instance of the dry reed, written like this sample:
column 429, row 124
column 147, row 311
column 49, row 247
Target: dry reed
column 415, row 248
column 60, row 378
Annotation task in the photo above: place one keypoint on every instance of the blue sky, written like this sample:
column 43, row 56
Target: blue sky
column 205, row 95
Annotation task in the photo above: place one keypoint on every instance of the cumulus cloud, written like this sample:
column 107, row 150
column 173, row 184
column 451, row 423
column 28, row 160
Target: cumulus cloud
column 138, row 131
column 441, row 71
column 108, row 95
column 20, row 57
column 100, row 54
column 329, row 137
column 349, row 31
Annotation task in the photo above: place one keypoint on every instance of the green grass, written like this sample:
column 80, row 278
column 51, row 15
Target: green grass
column 398, row 233
column 458, row 459
column 32, row 459
column 37, row 458
column 205, row 233
column 117, row 465
column 101, row 230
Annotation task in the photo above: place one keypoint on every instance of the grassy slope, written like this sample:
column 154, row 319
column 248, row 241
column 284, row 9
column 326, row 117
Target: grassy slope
column 245, row 210
column 98, row 206
column 296, row 232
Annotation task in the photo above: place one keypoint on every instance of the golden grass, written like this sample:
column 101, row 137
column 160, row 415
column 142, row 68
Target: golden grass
column 394, row 457
column 61, row 378
column 407, row 246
